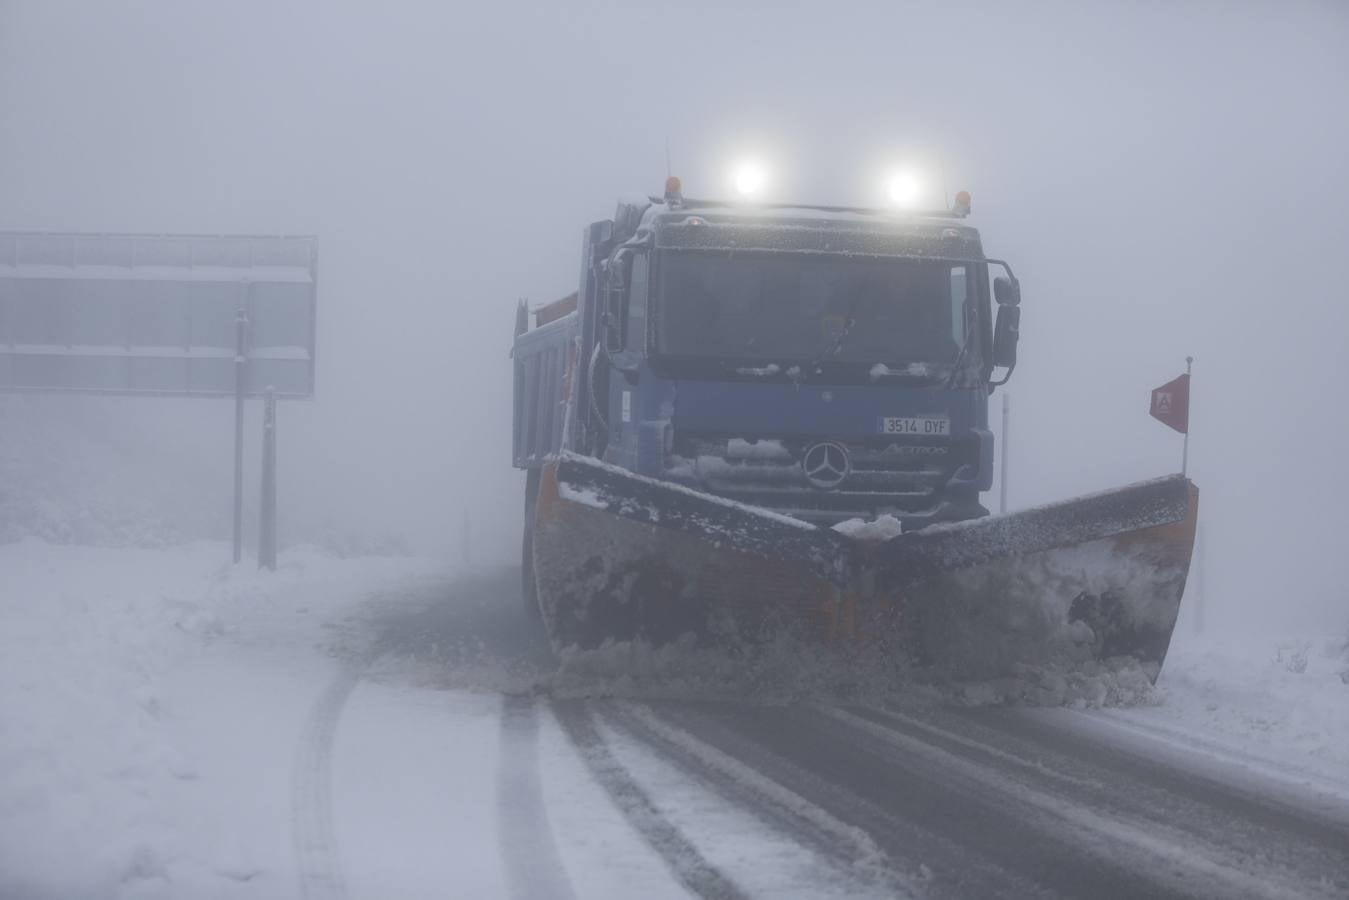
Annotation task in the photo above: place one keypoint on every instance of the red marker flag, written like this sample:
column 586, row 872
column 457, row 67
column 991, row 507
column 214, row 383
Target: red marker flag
column 1171, row 404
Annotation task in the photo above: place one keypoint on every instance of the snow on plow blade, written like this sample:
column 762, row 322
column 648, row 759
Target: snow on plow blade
column 620, row 557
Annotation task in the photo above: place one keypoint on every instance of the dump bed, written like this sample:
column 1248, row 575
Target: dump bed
column 540, row 355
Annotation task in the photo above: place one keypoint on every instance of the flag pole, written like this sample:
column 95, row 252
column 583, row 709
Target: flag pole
column 1185, row 450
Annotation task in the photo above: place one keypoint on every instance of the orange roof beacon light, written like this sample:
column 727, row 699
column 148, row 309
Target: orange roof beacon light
column 674, row 191
column 962, row 204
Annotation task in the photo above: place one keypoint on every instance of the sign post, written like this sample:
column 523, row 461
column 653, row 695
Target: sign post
column 267, row 523
column 240, row 388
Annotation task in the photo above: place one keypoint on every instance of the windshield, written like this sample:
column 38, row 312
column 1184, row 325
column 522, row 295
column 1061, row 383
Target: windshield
column 805, row 308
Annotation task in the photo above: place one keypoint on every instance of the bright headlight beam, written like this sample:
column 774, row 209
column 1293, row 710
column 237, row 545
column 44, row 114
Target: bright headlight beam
column 750, row 178
column 904, row 188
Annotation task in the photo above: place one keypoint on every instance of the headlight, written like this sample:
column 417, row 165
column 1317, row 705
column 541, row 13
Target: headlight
column 749, row 178
column 904, row 188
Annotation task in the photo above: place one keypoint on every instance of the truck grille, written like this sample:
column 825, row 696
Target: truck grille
column 886, row 476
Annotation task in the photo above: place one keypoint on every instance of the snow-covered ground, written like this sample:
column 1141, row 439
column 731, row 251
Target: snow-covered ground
column 169, row 728
column 135, row 755
column 1278, row 697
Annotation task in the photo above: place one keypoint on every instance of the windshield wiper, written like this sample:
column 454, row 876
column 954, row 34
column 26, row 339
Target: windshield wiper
column 960, row 357
column 842, row 338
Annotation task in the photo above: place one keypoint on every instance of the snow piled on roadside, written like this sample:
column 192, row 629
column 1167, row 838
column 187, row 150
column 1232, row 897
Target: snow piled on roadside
column 1286, row 696
column 92, row 765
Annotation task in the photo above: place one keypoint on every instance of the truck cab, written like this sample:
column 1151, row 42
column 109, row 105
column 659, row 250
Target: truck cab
column 822, row 362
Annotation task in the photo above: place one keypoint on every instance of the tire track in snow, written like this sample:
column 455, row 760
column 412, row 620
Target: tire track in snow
column 770, row 802
column 311, row 793
column 688, row 865
column 533, row 868
column 898, row 809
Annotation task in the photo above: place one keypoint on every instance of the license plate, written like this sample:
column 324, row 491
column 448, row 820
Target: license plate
column 919, row 425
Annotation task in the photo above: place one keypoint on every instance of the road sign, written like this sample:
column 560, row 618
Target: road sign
column 173, row 315
column 156, row 314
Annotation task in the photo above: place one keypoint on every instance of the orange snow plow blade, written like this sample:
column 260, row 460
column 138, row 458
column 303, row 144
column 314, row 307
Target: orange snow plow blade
column 620, row 557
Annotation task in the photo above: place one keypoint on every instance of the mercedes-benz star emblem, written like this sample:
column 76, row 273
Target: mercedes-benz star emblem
column 826, row 464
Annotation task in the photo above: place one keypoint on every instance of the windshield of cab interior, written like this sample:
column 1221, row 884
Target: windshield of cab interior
column 797, row 307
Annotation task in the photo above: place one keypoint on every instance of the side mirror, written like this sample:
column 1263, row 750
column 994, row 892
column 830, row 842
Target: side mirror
column 1007, row 291
column 1006, row 331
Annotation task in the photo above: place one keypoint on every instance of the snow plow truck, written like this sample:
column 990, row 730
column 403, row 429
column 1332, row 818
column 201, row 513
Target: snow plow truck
column 756, row 421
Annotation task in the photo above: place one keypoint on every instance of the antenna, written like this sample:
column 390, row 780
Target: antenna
column 945, row 193
column 669, row 170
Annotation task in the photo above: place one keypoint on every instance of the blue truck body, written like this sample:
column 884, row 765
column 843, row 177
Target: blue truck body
column 635, row 368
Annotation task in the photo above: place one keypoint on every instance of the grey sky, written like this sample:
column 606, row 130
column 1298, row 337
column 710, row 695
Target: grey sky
column 1165, row 178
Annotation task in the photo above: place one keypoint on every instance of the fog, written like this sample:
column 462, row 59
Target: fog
column 1166, row 179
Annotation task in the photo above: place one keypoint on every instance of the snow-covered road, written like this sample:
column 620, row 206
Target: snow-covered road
column 388, row 729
